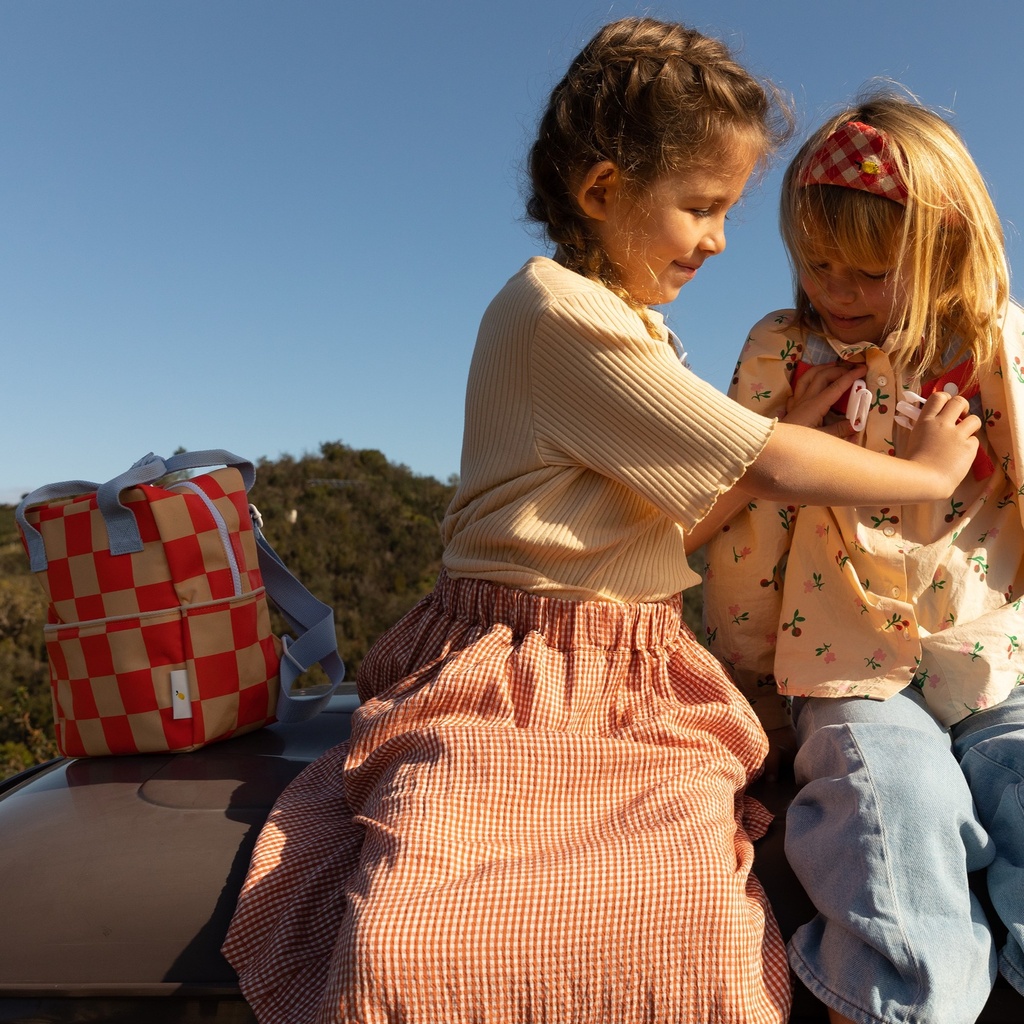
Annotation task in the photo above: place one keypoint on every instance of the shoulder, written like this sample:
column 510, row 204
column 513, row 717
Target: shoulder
column 511, row 316
column 1009, row 352
column 770, row 333
column 550, row 323
column 767, row 361
column 567, row 308
column 1013, row 325
column 777, row 320
column 775, row 338
column 542, row 281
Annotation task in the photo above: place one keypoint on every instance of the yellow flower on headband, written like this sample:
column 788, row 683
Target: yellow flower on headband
column 870, row 167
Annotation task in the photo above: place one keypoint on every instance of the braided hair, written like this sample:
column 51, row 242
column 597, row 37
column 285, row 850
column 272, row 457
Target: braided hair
column 652, row 97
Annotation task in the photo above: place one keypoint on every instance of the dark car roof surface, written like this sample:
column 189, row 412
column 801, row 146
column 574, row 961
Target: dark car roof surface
column 120, row 874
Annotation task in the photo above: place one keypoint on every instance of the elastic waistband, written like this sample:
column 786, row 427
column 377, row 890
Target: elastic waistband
column 564, row 624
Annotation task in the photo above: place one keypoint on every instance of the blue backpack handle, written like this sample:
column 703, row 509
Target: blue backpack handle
column 122, row 529
column 49, row 492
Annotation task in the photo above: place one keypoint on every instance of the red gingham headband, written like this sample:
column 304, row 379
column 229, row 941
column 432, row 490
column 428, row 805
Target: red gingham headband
column 856, row 156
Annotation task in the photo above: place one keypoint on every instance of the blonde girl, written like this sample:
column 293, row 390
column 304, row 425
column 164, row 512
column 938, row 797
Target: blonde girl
column 540, row 814
column 895, row 627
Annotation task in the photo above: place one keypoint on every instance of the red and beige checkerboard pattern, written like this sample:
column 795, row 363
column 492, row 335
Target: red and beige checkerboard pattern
column 119, row 625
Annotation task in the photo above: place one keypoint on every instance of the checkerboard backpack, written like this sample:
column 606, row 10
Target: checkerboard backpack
column 159, row 634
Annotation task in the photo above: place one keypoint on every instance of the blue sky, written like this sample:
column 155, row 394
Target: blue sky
column 264, row 224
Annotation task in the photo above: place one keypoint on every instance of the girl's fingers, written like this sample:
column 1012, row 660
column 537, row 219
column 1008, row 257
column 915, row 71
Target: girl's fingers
column 830, row 379
column 844, row 380
column 970, row 424
column 943, row 406
column 842, row 429
column 818, row 390
column 908, row 411
column 934, row 404
column 947, row 405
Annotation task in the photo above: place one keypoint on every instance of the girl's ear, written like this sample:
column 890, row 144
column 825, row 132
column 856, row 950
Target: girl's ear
column 598, row 189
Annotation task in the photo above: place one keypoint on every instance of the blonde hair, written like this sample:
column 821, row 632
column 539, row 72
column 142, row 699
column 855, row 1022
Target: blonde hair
column 651, row 97
column 947, row 240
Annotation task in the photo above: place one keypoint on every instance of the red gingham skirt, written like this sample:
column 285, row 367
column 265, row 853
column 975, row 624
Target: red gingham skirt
column 539, row 818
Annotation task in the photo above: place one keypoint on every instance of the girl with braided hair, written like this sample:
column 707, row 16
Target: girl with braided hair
column 540, row 815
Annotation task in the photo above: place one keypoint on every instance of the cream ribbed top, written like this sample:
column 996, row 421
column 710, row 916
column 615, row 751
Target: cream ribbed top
column 588, row 447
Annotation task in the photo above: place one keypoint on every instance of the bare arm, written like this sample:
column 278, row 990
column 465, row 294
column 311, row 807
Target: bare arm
column 814, row 398
column 805, row 466
column 811, row 467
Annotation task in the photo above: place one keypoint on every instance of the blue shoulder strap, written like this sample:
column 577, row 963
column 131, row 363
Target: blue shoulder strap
column 313, row 622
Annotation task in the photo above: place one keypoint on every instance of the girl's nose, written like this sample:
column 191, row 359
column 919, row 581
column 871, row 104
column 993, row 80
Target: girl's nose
column 714, row 241
column 838, row 288
column 841, row 287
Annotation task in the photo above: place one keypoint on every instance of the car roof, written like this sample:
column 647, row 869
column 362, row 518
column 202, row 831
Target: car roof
column 120, row 874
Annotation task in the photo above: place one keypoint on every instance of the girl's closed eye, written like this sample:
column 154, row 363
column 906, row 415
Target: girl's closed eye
column 704, row 212
column 856, row 302
column 870, row 273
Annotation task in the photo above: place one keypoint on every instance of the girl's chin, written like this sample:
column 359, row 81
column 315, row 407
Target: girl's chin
column 665, row 289
column 664, row 294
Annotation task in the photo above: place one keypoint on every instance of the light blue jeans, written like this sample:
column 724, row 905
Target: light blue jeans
column 894, row 813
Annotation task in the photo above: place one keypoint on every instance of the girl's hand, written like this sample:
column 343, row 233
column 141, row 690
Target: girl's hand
column 943, row 438
column 817, row 391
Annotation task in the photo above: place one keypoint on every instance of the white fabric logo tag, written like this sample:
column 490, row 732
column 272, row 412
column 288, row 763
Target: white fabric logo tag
column 181, row 699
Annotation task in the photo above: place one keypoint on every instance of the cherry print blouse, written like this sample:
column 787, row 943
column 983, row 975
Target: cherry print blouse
column 839, row 602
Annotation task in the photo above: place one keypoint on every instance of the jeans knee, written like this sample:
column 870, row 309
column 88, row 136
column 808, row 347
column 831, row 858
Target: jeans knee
column 861, row 783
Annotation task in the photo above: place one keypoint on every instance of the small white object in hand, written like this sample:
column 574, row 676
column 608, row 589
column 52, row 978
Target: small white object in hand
column 908, row 410
column 859, row 405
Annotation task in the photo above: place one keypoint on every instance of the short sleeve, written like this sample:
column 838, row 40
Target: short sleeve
column 619, row 402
